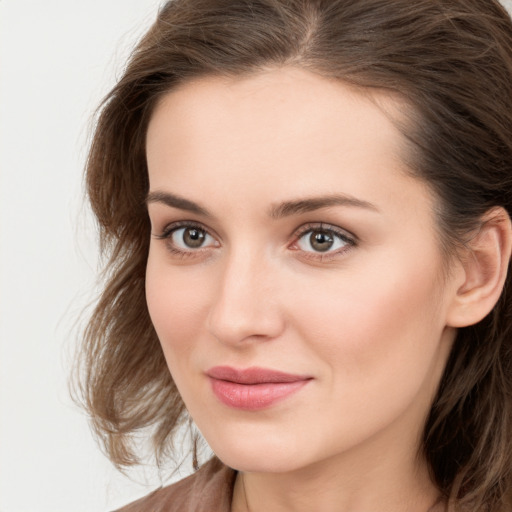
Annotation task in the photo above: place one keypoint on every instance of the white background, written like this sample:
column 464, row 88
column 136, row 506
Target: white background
column 57, row 60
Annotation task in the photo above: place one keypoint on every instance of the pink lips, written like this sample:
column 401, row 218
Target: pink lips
column 253, row 388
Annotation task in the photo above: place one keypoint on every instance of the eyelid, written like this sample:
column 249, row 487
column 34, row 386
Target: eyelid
column 173, row 226
column 312, row 226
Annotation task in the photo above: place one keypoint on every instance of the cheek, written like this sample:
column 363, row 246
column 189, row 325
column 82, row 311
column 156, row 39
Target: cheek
column 176, row 302
column 375, row 324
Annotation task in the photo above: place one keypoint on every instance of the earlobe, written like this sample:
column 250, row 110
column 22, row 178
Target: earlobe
column 484, row 267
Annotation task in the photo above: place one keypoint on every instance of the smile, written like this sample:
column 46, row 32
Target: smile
column 253, row 388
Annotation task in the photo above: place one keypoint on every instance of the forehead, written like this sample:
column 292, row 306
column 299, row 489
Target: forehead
column 296, row 97
column 287, row 127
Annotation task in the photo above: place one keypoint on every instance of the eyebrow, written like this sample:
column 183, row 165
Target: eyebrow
column 306, row 205
column 175, row 201
column 278, row 211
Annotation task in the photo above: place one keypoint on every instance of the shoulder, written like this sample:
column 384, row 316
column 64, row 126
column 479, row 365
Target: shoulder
column 209, row 488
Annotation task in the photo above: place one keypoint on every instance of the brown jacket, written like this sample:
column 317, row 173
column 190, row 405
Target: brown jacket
column 210, row 489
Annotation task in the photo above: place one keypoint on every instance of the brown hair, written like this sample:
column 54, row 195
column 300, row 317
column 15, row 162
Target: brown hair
column 451, row 60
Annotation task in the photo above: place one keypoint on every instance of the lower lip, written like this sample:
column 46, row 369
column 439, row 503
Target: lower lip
column 253, row 397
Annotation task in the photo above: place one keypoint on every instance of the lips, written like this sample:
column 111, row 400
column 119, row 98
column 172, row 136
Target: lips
column 253, row 388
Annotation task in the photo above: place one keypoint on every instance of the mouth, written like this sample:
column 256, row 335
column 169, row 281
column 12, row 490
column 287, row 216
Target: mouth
column 253, row 388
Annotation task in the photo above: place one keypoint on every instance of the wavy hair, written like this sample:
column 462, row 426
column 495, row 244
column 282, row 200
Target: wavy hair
column 451, row 61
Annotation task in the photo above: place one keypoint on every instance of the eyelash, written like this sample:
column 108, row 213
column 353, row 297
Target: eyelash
column 348, row 240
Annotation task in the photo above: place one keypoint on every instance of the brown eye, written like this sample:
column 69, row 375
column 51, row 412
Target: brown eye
column 321, row 241
column 193, row 237
column 190, row 237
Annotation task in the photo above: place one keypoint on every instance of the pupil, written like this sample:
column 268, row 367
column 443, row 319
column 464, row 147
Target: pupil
column 193, row 237
column 321, row 241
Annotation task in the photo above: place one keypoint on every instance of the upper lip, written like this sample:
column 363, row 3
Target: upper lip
column 253, row 375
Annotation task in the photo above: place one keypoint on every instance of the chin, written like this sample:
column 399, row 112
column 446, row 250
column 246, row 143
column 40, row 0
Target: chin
column 250, row 456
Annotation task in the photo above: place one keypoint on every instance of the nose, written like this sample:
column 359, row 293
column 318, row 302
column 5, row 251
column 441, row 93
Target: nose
column 246, row 307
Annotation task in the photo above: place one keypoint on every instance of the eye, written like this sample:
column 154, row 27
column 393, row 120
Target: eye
column 190, row 238
column 323, row 240
column 186, row 238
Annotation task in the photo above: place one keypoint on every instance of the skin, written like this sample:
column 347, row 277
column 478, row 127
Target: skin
column 368, row 321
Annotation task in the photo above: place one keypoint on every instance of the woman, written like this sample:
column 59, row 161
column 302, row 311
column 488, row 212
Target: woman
column 305, row 206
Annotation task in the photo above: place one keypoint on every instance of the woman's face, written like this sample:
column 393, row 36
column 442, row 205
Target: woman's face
column 294, row 278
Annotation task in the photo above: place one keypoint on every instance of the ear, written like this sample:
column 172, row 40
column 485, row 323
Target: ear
column 484, row 268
